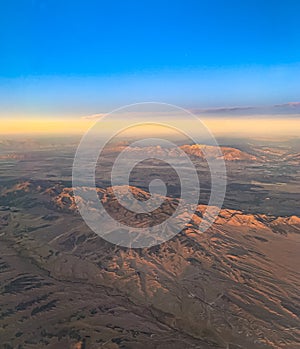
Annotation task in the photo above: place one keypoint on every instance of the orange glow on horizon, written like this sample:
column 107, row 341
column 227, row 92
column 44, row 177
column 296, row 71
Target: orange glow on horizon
column 220, row 126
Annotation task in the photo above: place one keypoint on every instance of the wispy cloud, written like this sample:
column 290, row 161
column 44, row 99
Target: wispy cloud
column 291, row 109
column 288, row 105
column 93, row 116
column 222, row 109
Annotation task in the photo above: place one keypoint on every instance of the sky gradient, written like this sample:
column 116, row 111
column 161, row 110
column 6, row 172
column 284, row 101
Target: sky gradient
column 70, row 59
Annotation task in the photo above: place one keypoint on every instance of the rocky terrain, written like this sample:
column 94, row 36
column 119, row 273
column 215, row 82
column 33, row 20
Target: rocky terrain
column 62, row 286
column 197, row 150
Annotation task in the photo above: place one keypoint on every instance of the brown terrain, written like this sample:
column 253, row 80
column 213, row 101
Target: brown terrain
column 62, row 286
column 196, row 150
column 228, row 153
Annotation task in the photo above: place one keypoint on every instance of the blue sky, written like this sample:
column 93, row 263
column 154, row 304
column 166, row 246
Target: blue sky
column 78, row 57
